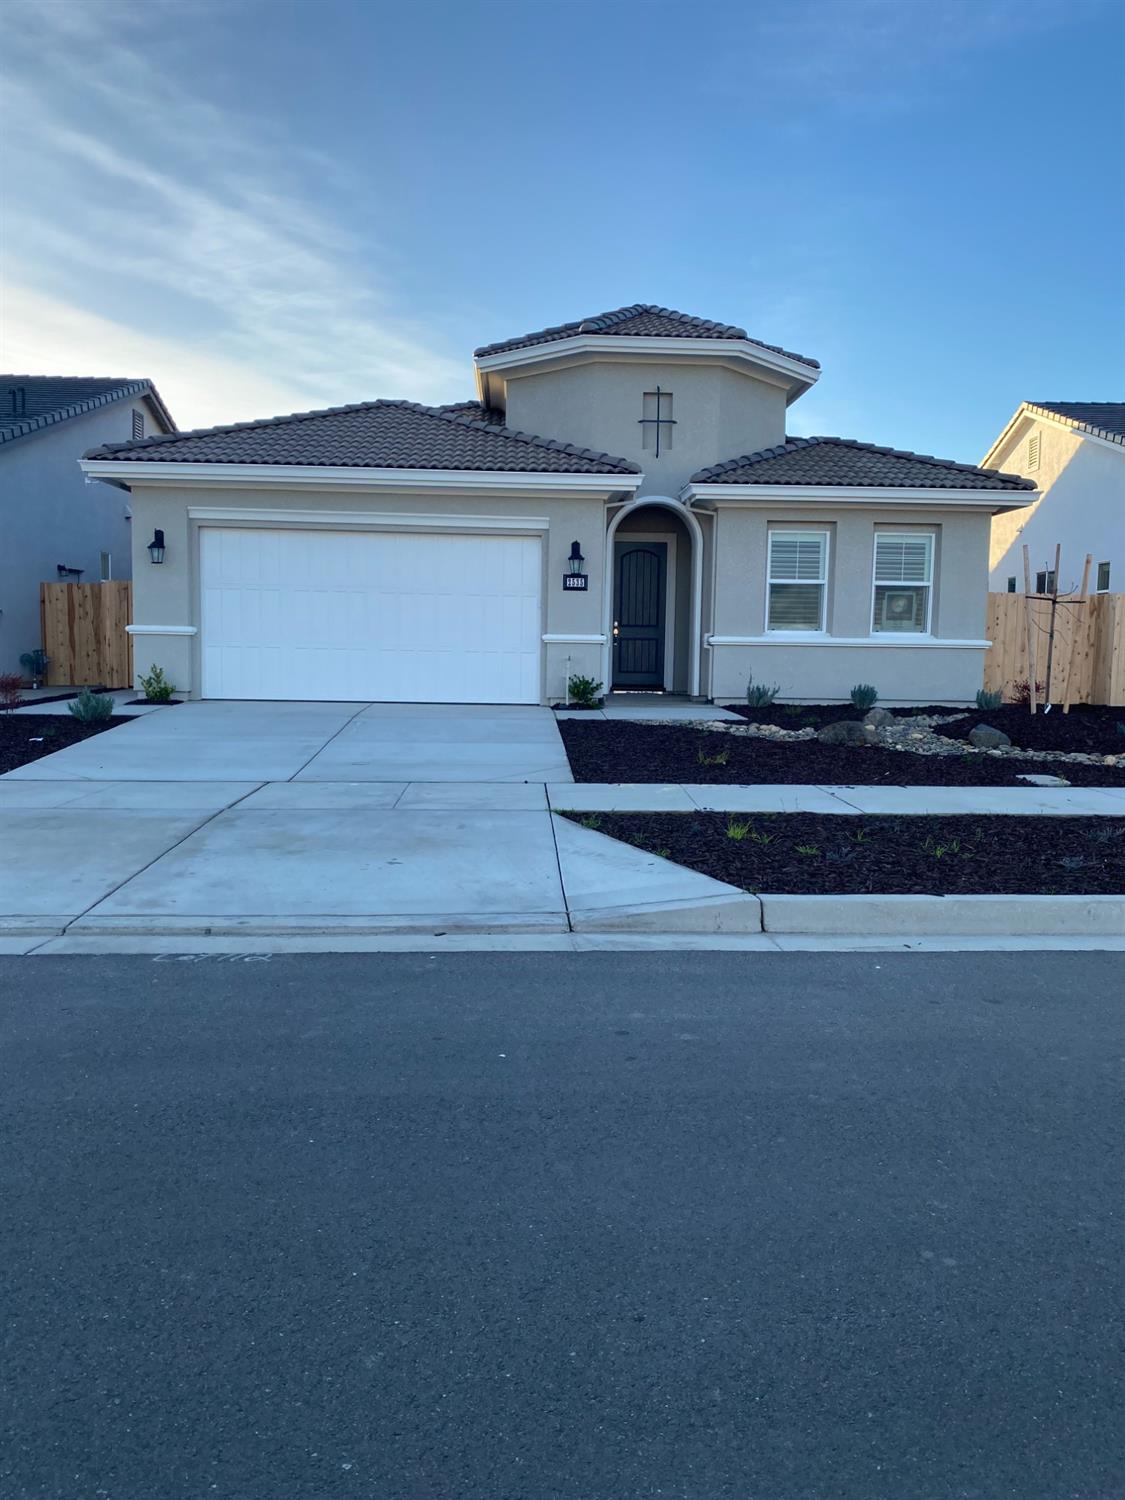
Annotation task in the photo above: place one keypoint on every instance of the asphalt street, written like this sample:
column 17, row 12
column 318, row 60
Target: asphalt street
column 526, row 1226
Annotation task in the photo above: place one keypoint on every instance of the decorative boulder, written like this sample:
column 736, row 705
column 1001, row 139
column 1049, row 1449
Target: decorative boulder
column 847, row 732
column 984, row 737
column 879, row 717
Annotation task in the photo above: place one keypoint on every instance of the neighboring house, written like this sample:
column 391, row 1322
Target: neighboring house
column 391, row 551
column 1074, row 453
column 54, row 524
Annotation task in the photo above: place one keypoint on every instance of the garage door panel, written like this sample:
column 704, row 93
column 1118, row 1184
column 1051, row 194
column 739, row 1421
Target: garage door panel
column 396, row 617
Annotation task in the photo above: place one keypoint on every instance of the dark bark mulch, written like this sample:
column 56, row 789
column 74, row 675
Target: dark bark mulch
column 53, row 731
column 1090, row 730
column 616, row 750
column 834, row 854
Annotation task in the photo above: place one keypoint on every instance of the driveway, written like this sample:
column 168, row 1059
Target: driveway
column 223, row 818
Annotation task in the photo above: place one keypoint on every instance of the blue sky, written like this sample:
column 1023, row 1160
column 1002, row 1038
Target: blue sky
column 273, row 206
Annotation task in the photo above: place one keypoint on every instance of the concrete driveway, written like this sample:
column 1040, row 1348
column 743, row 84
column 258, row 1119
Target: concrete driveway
column 310, row 817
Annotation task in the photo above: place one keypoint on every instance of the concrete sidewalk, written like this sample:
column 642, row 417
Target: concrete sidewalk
column 947, row 801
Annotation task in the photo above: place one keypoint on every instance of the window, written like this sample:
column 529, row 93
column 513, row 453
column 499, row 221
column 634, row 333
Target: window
column 1103, row 578
column 656, row 421
column 797, row 580
column 904, row 575
column 106, row 569
column 1045, row 581
column 1011, row 583
column 138, row 425
column 1033, row 450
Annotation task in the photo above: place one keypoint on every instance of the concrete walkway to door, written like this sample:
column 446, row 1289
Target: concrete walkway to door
column 291, row 818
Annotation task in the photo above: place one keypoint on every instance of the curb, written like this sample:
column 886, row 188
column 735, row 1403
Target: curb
column 945, row 916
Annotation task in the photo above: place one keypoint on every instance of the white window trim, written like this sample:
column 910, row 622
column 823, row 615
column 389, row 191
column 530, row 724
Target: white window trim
column 910, row 536
column 800, row 635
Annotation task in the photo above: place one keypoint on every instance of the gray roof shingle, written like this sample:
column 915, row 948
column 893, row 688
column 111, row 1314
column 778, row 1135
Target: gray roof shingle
column 844, row 461
column 640, row 320
column 29, row 403
column 373, row 434
column 1105, row 419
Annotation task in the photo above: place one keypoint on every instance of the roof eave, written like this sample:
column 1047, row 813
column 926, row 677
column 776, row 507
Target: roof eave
column 865, row 495
column 797, row 376
column 130, row 472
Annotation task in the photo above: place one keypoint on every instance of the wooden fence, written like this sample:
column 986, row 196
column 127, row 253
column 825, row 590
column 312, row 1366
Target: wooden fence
column 1097, row 626
column 84, row 633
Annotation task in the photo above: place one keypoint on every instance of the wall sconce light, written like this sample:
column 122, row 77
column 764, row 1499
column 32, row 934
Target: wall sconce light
column 576, row 559
column 575, row 578
column 156, row 547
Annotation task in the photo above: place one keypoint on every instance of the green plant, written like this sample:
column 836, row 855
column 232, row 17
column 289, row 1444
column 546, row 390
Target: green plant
column 583, row 692
column 11, row 684
column 860, row 836
column 738, row 831
column 987, row 700
column 807, row 849
column 663, row 853
column 719, row 758
column 155, row 686
column 943, row 851
column 91, row 708
column 35, row 664
column 758, row 695
column 591, row 820
column 864, row 696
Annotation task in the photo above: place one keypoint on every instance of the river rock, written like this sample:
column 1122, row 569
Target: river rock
column 984, row 737
column 847, row 732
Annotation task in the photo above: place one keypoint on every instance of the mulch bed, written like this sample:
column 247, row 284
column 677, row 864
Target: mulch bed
column 817, row 715
column 617, row 750
column 1092, row 731
column 836, row 854
column 19, row 732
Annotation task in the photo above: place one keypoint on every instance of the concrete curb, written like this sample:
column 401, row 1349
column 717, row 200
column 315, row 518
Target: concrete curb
column 736, row 913
column 134, row 925
column 960, row 916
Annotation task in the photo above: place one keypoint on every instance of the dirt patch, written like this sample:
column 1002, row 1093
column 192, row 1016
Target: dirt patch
column 28, row 737
column 836, row 854
column 616, row 750
column 1090, row 731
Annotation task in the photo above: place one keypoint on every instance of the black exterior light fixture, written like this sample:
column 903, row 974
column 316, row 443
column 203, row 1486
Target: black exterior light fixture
column 156, row 547
column 575, row 578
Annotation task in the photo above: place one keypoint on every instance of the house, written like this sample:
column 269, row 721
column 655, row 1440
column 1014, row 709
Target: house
column 53, row 523
column 1074, row 453
column 620, row 501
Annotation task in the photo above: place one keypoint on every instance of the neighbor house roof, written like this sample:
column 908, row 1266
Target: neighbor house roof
column 843, row 461
column 373, row 434
column 1104, row 419
column 640, row 320
column 28, row 403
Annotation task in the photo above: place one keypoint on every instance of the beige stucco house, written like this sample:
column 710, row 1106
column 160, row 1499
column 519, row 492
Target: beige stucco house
column 620, row 501
column 1074, row 454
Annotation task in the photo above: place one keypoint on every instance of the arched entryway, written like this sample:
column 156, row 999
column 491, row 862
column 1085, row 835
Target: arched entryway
column 654, row 564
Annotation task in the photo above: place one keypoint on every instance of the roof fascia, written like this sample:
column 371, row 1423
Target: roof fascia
column 132, row 472
column 857, row 495
column 738, row 351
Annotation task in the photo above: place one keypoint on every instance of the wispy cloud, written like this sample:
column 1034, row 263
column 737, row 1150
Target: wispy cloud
column 191, row 233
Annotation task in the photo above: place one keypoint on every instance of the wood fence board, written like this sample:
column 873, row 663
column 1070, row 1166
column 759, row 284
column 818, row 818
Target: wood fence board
column 84, row 633
column 1097, row 627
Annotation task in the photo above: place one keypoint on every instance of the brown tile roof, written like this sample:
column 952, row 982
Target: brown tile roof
column 373, row 434
column 843, row 461
column 640, row 320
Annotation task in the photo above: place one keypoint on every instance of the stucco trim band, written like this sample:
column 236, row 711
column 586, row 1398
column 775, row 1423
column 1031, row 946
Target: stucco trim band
column 161, row 630
column 353, row 520
column 932, row 642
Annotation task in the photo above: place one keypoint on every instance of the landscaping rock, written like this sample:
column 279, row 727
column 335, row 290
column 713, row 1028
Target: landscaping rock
column 848, row 732
column 984, row 737
column 879, row 717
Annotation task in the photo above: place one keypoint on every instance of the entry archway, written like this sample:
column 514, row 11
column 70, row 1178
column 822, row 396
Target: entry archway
column 695, row 607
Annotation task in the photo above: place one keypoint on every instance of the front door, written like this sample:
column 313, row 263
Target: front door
column 639, row 600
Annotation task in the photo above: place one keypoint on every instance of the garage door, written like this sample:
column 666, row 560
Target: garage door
column 360, row 615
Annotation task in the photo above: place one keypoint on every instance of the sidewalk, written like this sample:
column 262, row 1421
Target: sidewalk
column 947, row 801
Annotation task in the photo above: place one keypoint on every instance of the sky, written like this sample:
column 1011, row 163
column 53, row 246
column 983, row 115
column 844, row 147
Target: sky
column 267, row 206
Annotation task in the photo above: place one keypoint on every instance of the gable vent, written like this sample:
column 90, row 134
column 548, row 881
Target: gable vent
column 1033, row 450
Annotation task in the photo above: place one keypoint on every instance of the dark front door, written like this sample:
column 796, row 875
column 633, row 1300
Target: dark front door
column 640, row 593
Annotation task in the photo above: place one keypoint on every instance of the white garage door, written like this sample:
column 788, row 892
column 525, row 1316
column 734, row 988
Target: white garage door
column 361, row 615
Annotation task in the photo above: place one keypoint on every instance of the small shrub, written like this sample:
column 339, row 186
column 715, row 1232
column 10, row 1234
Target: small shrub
column 1021, row 692
column 737, row 831
column 91, row 708
column 758, row 695
column 156, row 687
column 719, row 758
column 11, row 684
column 809, row 850
column 591, row 820
column 584, row 692
column 864, row 696
column 987, row 700
column 35, row 664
